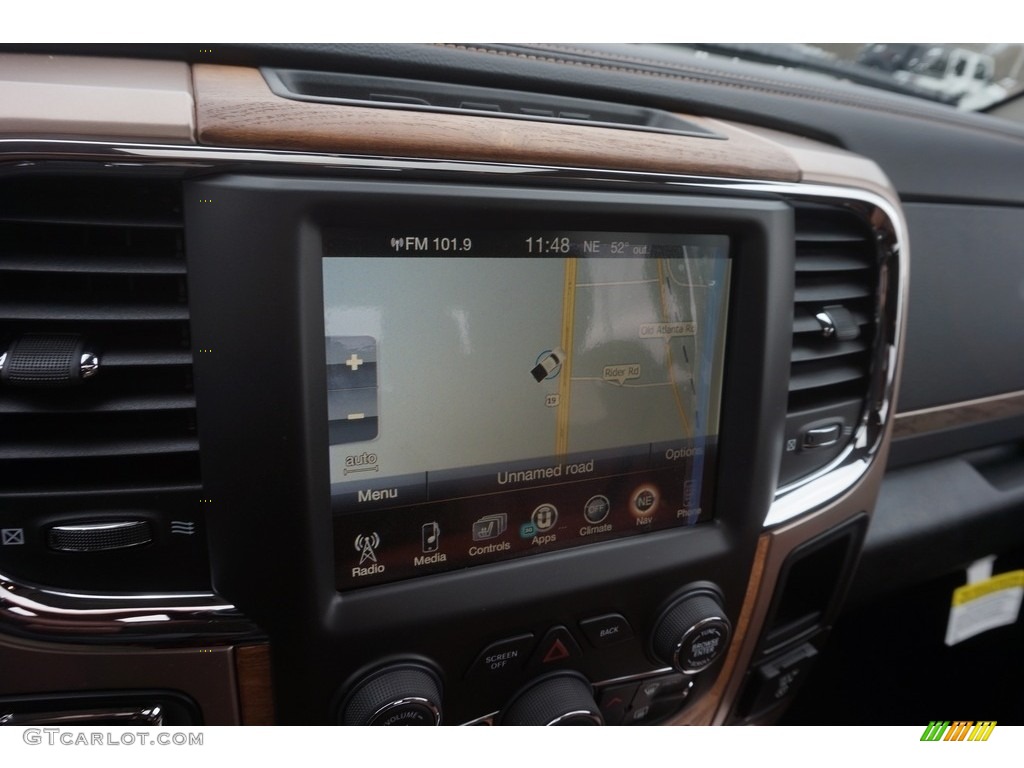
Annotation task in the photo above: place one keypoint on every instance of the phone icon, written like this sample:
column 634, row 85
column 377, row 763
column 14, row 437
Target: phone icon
column 430, row 536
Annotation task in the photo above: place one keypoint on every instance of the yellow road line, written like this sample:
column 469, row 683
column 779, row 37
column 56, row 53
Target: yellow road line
column 565, row 377
column 687, row 429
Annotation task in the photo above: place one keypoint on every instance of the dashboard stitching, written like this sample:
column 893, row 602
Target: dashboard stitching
column 717, row 77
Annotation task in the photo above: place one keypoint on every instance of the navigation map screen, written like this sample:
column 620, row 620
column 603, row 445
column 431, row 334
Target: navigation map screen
column 500, row 394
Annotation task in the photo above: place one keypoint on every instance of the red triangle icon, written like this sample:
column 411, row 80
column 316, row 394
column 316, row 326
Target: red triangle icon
column 556, row 652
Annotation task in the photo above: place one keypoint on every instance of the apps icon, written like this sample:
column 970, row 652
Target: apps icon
column 544, row 517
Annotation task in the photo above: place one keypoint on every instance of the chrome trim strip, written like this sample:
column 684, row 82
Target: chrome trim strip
column 489, row 719
column 391, row 705
column 587, row 714
column 639, row 676
column 961, row 414
column 150, row 717
column 79, row 614
column 39, row 612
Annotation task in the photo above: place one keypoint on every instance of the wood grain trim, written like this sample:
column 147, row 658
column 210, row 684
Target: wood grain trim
column 236, row 108
column 255, row 692
column 703, row 711
column 964, row 414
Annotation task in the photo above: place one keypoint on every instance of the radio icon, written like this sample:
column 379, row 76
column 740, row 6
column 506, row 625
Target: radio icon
column 366, row 546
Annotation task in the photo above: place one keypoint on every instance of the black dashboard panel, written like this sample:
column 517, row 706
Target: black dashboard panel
column 967, row 301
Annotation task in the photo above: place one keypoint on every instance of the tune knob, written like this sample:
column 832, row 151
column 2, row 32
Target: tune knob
column 562, row 699
column 693, row 633
column 402, row 694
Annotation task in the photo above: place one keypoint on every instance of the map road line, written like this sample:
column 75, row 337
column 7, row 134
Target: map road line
column 565, row 378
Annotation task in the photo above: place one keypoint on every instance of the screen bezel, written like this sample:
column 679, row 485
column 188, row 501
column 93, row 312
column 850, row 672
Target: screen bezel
column 255, row 281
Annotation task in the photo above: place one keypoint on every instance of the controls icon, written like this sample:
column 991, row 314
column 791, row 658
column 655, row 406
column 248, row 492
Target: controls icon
column 596, row 509
column 544, row 517
column 366, row 546
column 430, row 536
column 490, row 526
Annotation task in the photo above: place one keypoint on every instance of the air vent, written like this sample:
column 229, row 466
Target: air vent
column 833, row 335
column 451, row 98
column 98, row 258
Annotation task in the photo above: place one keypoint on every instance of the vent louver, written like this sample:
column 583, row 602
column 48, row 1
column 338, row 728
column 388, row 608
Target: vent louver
column 101, row 257
column 833, row 334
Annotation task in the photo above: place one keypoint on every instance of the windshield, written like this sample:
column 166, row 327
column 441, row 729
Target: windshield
column 969, row 76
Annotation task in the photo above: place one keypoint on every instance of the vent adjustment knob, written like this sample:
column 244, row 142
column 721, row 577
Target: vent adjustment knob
column 47, row 360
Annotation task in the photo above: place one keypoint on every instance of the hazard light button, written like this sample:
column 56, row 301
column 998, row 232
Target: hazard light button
column 557, row 649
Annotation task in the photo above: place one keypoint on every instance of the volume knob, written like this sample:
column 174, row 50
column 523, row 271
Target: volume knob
column 692, row 633
column 403, row 694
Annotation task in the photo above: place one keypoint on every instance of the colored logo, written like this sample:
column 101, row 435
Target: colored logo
column 959, row 730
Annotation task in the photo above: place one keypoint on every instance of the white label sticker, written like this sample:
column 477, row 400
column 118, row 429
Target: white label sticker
column 985, row 605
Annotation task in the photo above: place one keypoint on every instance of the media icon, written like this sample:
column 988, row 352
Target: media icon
column 490, row 526
column 430, row 536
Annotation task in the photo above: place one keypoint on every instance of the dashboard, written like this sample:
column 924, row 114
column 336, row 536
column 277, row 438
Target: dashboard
column 489, row 385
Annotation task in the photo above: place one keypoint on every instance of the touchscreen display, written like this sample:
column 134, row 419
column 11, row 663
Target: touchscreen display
column 501, row 394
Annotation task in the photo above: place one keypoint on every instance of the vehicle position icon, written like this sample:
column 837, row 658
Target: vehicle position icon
column 549, row 364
